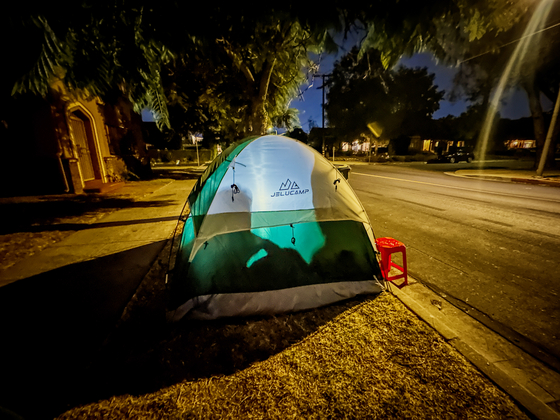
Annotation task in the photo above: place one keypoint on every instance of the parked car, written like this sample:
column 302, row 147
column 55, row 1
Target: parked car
column 460, row 155
column 382, row 153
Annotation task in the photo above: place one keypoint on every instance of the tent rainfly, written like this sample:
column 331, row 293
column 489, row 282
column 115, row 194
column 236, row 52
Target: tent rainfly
column 273, row 227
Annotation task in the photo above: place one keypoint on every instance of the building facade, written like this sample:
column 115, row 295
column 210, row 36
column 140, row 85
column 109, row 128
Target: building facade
column 67, row 144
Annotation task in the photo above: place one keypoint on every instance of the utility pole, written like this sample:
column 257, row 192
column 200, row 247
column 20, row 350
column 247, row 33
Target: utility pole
column 548, row 140
column 324, row 76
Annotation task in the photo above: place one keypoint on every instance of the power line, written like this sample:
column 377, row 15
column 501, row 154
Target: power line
column 511, row 42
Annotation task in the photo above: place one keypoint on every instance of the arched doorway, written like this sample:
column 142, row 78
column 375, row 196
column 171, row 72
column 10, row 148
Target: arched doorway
column 86, row 147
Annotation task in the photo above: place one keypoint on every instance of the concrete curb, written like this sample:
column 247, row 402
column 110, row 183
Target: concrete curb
column 507, row 178
column 537, row 182
column 519, row 393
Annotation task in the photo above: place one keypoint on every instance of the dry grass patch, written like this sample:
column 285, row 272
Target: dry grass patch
column 375, row 360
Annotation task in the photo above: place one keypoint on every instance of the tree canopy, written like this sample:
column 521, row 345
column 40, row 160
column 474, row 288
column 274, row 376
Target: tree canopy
column 245, row 74
column 362, row 92
column 102, row 49
column 535, row 69
column 479, row 37
column 230, row 69
column 446, row 28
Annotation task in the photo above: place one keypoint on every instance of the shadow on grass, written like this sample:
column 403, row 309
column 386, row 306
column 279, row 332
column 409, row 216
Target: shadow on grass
column 42, row 213
column 147, row 354
column 176, row 173
column 63, row 349
column 53, row 324
column 84, row 226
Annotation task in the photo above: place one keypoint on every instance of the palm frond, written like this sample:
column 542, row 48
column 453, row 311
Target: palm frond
column 52, row 56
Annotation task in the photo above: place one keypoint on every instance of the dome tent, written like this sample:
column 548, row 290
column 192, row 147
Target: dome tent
column 273, row 227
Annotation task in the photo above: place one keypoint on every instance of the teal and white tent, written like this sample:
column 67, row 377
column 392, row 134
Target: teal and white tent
column 273, row 227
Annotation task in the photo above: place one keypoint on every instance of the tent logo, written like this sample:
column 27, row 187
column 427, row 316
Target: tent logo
column 286, row 185
column 289, row 188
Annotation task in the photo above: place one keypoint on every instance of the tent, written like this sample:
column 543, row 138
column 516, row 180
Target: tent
column 273, row 227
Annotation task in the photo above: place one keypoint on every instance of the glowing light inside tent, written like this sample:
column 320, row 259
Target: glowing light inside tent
column 259, row 255
column 306, row 238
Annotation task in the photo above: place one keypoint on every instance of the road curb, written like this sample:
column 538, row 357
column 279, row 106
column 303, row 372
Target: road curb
column 520, row 394
column 483, row 177
column 507, row 179
column 537, row 182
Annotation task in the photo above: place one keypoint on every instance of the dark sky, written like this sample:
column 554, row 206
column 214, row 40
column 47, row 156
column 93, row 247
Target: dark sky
column 514, row 103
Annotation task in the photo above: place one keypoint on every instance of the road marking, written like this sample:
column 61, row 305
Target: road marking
column 422, row 182
column 457, row 188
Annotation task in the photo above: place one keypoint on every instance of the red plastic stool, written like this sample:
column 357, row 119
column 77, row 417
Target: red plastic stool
column 387, row 247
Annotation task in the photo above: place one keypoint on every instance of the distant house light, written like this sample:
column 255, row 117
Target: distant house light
column 521, row 144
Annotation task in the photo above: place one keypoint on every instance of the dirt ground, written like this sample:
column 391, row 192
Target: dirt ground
column 367, row 357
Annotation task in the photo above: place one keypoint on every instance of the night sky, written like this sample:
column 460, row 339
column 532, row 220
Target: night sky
column 514, row 103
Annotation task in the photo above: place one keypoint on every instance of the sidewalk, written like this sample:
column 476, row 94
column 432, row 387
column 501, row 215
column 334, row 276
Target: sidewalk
column 527, row 380
column 58, row 306
column 550, row 178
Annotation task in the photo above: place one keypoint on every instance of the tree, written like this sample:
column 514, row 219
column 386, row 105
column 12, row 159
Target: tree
column 536, row 70
column 415, row 99
column 298, row 134
column 255, row 54
column 444, row 27
column 254, row 57
column 456, row 30
column 363, row 92
column 102, row 49
column 250, row 64
column 357, row 88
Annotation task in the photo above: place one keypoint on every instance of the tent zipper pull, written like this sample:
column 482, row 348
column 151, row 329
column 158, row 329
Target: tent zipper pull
column 293, row 236
column 336, row 181
column 234, row 190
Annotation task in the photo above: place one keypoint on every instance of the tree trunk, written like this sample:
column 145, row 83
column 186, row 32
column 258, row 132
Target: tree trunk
column 259, row 117
column 538, row 123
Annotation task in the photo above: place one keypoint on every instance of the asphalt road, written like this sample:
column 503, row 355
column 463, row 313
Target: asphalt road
column 492, row 248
